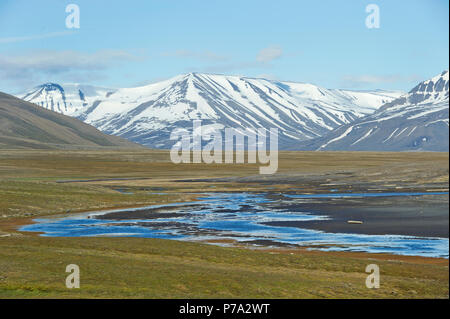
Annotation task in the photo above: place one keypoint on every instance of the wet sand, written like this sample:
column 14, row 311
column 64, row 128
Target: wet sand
column 425, row 216
column 149, row 213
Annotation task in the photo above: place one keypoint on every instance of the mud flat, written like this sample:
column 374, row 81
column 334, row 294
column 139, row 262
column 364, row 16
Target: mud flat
column 425, row 215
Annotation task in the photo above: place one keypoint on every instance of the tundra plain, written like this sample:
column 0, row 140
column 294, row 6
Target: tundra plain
column 37, row 184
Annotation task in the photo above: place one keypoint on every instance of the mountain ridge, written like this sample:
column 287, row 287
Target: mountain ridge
column 416, row 121
column 68, row 99
column 301, row 111
column 25, row 125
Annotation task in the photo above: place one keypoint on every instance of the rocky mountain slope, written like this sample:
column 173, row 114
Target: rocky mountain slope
column 25, row 125
column 416, row 121
column 68, row 99
column 148, row 114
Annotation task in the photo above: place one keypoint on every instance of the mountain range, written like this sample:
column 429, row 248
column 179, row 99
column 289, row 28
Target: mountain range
column 416, row 121
column 69, row 99
column 148, row 114
column 307, row 116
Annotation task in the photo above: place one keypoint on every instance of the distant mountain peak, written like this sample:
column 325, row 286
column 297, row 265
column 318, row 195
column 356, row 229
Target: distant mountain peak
column 147, row 114
column 68, row 99
column 430, row 91
column 416, row 121
column 300, row 111
column 50, row 86
column 438, row 83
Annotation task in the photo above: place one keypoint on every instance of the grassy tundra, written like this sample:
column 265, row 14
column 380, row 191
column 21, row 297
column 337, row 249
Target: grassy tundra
column 44, row 183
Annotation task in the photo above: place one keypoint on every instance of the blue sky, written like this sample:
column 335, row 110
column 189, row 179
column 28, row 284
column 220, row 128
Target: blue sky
column 130, row 43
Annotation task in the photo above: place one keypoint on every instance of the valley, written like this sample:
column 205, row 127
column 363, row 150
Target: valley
column 219, row 159
column 54, row 184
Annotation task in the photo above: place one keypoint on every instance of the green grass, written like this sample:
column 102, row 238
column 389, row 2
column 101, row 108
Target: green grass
column 21, row 198
column 151, row 268
column 34, row 267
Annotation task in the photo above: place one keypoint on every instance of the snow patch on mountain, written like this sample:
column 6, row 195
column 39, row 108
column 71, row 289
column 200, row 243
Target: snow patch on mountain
column 68, row 99
column 416, row 121
column 148, row 114
column 300, row 111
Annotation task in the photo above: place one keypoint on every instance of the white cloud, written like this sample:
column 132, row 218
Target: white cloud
column 41, row 66
column 366, row 79
column 269, row 54
column 230, row 67
column 201, row 55
column 61, row 61
column 35, row 37
column 262, row 61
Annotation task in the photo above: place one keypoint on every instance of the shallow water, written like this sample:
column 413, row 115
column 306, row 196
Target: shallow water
column 361, row 195
column 239, row 216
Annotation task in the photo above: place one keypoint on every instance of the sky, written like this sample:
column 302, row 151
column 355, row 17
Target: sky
column 137, row 42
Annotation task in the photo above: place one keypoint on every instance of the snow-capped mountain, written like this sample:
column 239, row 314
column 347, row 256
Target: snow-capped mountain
column 418, row 120
column 68, row 99
column 148, row 114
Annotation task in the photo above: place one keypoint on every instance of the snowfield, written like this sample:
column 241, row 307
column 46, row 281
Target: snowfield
column 148, row 114
column 416, row 121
